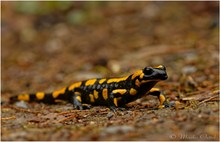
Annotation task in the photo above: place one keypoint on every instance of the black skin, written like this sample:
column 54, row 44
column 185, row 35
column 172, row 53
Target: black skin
column 148, row 78
column 153, row 75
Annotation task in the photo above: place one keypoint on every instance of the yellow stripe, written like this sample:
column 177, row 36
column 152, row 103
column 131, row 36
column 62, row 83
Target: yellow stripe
column 91, row 98
column 145, row 81
column 154, row 89
column 58, row 92
column 117, row 79
column 102, row 80
column 120, row 91
column 133, row 91
column 137, row 83
column 105, row 93
column 24, row 97
column 75, row 85
column 79, row 98
column 116, row 102
column 96, row 94
column 90, row 82
column 141, row 76
column 40, row 95
column 137, row 73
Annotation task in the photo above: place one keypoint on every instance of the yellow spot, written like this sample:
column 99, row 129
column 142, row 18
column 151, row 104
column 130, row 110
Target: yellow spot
column 133, row 91
column 91, row 98
column 154, row 89
column 40, row 95
column 137, row 73
column 58, row 92
column 102, row 80
column 162, row 99
column 90, row 82
column 105, row 93
column 24, row 97
column 137, row 83
column 77, row 93
column 117, row 79
column 75, row 85
column 120, row 91
column 115, row 101
column 161, row 106
column 160, row 66
column 79, row 98
column 96, row 94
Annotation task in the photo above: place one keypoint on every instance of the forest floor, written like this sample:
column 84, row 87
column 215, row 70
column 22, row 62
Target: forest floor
column 47, row 51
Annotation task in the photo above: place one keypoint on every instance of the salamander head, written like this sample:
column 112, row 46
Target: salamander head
column 157, row 73
column 149, row 74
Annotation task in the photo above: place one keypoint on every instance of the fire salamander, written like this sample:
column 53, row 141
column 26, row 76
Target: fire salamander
column 112, row 92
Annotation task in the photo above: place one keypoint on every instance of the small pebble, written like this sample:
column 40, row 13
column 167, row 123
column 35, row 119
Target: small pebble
column 114, row 66
column 21, row 104
column 110, row 115
column 189, row 69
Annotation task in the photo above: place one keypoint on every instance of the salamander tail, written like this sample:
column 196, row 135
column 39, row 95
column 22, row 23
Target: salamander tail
column 37, row 97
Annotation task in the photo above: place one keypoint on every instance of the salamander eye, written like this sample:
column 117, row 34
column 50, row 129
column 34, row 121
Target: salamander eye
column 147, row 71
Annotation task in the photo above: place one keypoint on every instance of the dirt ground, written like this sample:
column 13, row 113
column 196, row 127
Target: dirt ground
column 48, row 45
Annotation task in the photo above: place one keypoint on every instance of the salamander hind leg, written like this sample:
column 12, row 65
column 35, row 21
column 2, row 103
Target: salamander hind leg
column 163, row 100
column 114, row 96
column 112, row 102
column 77, row 102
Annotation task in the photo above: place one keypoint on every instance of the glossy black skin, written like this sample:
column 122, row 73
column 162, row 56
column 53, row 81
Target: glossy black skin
column 153, row 75
column 148, row 80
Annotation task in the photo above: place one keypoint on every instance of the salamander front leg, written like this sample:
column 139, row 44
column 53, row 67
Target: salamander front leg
column 161, row 97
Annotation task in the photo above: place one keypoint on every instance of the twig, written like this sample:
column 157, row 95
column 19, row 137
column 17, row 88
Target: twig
column 8, row 118
column 206, row 100
column 68, row 118
column 22, row 110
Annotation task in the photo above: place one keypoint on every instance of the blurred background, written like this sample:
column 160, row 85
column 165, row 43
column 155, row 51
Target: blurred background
column 48, row 45
column 58, row 41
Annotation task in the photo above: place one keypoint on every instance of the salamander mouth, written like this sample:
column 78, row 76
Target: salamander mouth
column 153, row 78
column 164, row 77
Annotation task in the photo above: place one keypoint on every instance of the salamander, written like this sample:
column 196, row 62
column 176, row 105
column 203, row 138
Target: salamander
column 111, row 92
